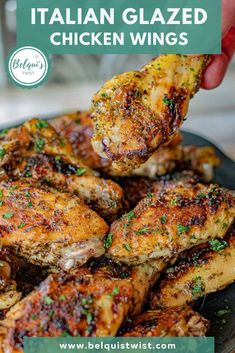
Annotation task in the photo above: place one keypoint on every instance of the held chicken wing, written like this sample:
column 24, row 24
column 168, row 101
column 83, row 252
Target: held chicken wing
column 137, row 112
column 48, row 158
column 204, row 270
column 48, row 227
column 182, row 321
column 166, row 223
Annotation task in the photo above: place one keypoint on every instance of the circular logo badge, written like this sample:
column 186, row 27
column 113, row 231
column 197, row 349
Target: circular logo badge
column 28, row 67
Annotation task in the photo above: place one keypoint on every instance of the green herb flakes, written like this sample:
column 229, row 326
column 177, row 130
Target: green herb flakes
column 127, row 246
column 41, row 124
column 39, row 144
column 198, row 288
column 218, row 244
column 80, row 171
column 108, row 241
column 8, row 214
column 182, row 229
column 48, row 300
column 2, row 153
column 163, row 219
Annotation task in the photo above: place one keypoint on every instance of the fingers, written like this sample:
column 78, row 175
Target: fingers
column 216, row 70
column 228, row 15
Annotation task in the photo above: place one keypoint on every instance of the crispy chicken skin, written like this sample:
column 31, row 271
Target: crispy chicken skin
column 182, row 321
column 78, row 130
column 166, row 223
column 137, row 112
column 85, row 305
column 205, row 269
column 48, row 158
column 48, row 227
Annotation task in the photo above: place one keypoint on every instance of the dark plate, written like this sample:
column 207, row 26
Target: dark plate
column 223, row 327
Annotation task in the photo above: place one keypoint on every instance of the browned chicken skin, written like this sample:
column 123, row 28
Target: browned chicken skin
column 205, row 269
column 49, row 159
column 9, row 265
column 182, row 321
column 137, row 112
column 48, row 227
column 168, row 222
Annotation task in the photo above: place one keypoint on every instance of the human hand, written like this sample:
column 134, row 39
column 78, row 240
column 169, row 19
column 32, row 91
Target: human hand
column 215, row 72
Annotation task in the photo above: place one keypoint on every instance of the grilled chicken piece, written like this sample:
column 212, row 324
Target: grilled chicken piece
column 137, row 188
column 137, row 112
column 78, row 130
column 167, row 223
column 182, row 321
column 206, row 269
column 78, row 305
column 94, row 300
column 201, row 160
column 48, row 158
column 9, row 265
column 48, row 227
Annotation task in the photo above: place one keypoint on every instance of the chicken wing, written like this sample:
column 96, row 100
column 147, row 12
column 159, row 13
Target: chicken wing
column 86, row 305
column 137, row 112
column 182, row 321
column 48, row 227
column 48, row 158
column 9, row 265
column 171, row 221
column 204, row 270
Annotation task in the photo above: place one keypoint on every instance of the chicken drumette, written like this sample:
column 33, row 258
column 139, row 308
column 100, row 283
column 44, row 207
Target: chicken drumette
column 137, row 112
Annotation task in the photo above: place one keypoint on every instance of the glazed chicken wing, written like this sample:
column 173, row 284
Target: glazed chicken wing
column 48, row 227
column 182, row 321
column 85, row 305
column 9, row 265
column 204, row 270
column 137, row 112
column 166, row 223
column 49, row 159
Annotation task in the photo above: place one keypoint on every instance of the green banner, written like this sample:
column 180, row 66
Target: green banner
column 120, row 27
column 120, row 344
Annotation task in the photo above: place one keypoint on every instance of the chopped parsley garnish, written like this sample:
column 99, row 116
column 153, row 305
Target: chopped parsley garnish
column 27, row 193
column 65, row 334
column 225, row 225
column 218, row 245
column 1, row 202
column 182, row 229
column 223, row 312
column 108, row 241
column 202, row 195
column 8, row 214
column 48, row 300
column 80, row 171
column 130, row 215
column 89, row 318
column 137, row 93
column 1, row 193
column 163, row 219
column 2, row 153
column 127, row 246
column 114, row 292
column 29, row 204
column 149, row 194
column 168, row 101
column 39, row 144
column 104, row 94
column 86, row 301
column 198, row 287
column 62, row 297
column 3, row 132
column 21, row 225
column 57, row 158
column 41, row 124
column 174, row 202
column 34, row 316
column 142, row 231
column 28, row 174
